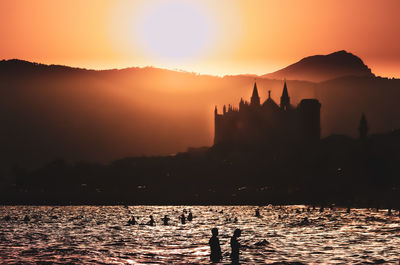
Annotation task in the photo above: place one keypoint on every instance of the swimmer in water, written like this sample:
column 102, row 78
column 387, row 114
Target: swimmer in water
column 132, row 221
column 190, row 216
column 151, row 222
column 183, row 219
column 165, row 219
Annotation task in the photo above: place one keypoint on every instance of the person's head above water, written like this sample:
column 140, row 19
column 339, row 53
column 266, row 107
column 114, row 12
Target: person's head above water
column 237, row 232
column 214, row 231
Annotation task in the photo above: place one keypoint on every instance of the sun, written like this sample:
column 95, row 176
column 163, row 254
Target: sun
column 174, row 30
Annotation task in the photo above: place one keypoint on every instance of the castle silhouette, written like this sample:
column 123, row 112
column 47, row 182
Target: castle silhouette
column 259, row 124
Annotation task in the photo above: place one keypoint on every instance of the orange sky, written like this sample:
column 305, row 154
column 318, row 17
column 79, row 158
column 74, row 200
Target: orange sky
column 208, row 36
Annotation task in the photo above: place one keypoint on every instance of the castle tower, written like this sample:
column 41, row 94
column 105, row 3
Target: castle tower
column 363, row 128
column 216, row 126
column 241, row 104
column 309, row 120
column 285, row 99
column 255, row 98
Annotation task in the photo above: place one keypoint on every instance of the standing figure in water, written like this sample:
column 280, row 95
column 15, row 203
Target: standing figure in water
column 258, row 213
column 151, row 222
column 26, row 219
column 183, row 219
column 190, row 216
column 132, row 221
column 165, row 219
column 216, row 254
column 235, row 245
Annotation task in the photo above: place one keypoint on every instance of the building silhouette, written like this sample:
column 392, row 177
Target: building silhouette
column 257, row 124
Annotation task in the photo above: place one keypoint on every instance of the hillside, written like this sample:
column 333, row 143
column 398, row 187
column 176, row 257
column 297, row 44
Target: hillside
column 319, row 68
column 52, row 112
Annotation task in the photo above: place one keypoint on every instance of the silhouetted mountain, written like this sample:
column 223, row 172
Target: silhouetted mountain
column 323, row 67
column 50, row 111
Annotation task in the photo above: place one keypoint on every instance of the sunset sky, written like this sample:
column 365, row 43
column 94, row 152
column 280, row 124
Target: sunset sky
column 208, row 36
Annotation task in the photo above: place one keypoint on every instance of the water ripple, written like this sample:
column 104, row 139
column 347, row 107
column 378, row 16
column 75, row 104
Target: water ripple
column 283, row 235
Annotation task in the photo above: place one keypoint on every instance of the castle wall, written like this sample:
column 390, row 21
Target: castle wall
column 309, row 117
column 268, row 123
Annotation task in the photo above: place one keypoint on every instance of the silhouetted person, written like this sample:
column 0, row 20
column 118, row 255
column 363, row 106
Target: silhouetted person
column 132, row 221
column 235, row 246
column 26, row 219
column 258, row 213
column 390, row 211
column 321, row 210
column 190, row 216
column 165, row 220
column 183, row 219
column 305, row 221
column 235, row 220
column 348, row 209
column 151, row 222
column 216, row 254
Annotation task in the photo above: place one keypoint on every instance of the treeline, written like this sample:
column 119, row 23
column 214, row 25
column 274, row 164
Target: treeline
column 337, row 170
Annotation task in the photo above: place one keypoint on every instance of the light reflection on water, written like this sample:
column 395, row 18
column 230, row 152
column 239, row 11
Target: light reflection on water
column 99, row 235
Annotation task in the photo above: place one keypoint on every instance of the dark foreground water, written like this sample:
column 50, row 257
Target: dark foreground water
column 99, row 235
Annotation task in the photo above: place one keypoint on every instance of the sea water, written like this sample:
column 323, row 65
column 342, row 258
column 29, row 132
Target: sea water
column 100, row 235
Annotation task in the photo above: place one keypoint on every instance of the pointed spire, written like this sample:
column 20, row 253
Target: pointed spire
column 241, row 103
column 215, row 110
column 255, row 98
column 269, row 94
column 285, row 93
column 255, row 90
column 285, row 99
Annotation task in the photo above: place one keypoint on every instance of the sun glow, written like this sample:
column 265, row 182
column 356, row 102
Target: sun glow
column 174, row 31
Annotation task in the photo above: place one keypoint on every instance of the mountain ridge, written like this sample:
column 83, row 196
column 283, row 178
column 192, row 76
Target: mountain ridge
column 49, row 112
column 315, row 68
column 318, row 68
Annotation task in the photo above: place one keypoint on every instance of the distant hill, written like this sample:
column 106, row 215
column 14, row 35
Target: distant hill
column 319, row 68
column 49, row 112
